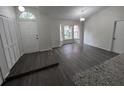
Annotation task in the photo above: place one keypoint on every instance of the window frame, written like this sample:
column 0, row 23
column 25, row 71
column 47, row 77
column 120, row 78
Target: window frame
column 71, row 32
column 78, row 32
column 26, row 19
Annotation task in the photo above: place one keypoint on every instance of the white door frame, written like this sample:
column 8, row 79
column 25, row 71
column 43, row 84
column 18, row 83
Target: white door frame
column 36, row 36
column 113, row 35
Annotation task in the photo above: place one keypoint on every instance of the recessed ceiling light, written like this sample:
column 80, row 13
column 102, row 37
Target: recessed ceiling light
column 82, row 19
column 21, row 8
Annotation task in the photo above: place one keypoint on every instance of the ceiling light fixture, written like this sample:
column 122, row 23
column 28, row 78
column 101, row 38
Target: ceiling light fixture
column 21, row 8
column 82, row 19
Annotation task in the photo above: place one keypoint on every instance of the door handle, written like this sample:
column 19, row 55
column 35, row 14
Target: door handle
column 37, row 38
column 113, row 38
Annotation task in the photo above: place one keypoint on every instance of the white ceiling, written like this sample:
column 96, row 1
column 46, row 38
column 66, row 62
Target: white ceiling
column 69, row 12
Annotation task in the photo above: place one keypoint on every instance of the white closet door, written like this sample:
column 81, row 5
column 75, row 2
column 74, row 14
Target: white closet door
column 11, row 47
column 5, row 44
column 14, row 48
column 9, row 41
column 3, row 61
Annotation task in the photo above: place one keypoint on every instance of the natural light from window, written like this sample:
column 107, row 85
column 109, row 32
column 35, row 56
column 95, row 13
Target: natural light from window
column 67, row 32
column 76, row 32
column 27, row 15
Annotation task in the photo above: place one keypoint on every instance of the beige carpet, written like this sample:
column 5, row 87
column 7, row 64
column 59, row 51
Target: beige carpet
column 110, row 73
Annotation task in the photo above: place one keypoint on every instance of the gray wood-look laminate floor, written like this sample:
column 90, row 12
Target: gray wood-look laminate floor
column 32, row 62
column 72, row 58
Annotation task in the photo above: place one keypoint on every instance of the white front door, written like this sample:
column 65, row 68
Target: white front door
column 29, row 36
column 119, row 38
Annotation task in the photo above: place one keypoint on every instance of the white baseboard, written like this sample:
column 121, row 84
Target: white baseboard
column 4, row 78
column 99, row 47
column 12, row 67
column 7, row 75
column 46, row 49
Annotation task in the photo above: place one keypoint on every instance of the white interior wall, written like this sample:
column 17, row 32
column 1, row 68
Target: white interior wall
column 7, row 11
column 81, row 28
column 44, row 30
column 55, row 29
column 99, row 28
column 43, row 26
column 48, row 29
column 55, row 35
